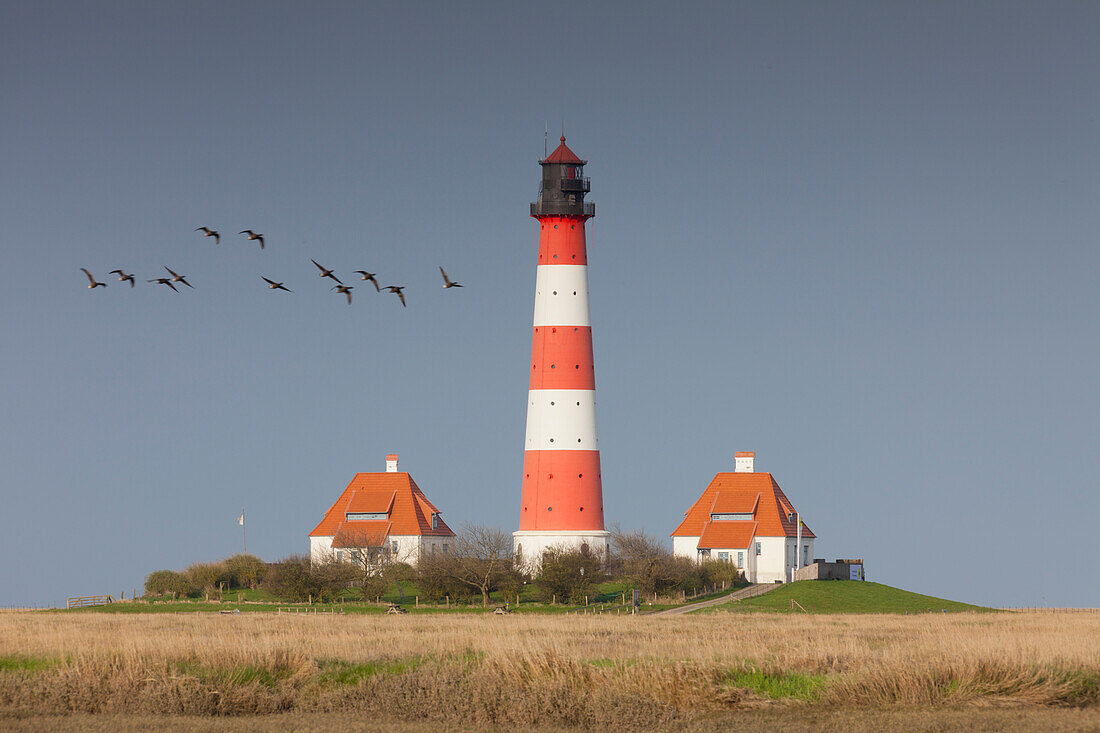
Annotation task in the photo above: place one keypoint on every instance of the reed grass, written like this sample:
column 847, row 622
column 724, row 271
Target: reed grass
column 524, row 670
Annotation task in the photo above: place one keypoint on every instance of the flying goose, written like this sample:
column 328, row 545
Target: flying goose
column 92, row 282
column 398, row 290
column 178, row 278
column 208, row 232
column 447, row 282
column 253, row 235
column 370, row 276
column 326, row 273
column 272, row 285
column 123, row 277
column 345, row 289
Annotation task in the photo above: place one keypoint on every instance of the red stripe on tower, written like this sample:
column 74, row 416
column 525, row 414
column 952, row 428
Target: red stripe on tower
column 562, row 499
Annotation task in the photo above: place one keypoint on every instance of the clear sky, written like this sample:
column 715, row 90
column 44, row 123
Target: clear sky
column 857, row 238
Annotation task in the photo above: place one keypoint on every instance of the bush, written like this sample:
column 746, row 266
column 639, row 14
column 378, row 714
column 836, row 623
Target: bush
column 648, row 564
column 207, row 576
column 244, row 571
column 568, row 574
column 297, row 579
column 168, row 582
column 435, row 577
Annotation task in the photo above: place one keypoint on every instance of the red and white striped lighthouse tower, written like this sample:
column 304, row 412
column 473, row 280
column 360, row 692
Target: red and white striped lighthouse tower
column 562, row 503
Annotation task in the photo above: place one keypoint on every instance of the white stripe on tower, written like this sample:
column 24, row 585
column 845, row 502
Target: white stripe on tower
column 561, row 295
column 561, row 419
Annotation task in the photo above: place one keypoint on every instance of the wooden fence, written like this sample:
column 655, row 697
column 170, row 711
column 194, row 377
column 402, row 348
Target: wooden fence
column 86, row 601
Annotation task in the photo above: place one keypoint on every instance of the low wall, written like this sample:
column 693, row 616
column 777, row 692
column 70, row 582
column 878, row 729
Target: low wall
column 821, row 570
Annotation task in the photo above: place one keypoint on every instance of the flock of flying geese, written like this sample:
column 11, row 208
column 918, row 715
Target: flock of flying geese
column 339, row 287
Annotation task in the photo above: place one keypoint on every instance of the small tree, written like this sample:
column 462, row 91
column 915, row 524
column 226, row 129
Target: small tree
column 481, row 557
column 568, row 574
column 207, row 575
column 297, row 578
column 244, row 571
column 435, row 576
column 646, row 562
column 164, row 582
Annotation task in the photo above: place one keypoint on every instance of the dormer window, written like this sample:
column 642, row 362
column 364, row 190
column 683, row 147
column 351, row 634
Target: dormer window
column 364, row 516
column 435, row 520
column 726, row 516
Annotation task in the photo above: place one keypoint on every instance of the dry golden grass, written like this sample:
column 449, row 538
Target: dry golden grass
column 541, row 670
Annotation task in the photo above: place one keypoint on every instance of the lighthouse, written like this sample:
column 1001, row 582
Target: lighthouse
column 562, row 497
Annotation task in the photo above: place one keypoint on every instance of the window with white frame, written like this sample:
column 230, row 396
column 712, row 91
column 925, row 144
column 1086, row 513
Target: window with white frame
column 723, row 557
column 757, row 548
column 740, row 559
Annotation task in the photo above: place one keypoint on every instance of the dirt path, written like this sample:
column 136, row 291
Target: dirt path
column 753, row 590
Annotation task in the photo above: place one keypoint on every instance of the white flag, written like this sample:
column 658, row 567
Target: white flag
column 240, row 519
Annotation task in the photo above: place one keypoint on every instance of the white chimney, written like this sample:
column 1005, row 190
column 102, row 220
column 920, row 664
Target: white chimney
column 743, row 461
column 391, row 463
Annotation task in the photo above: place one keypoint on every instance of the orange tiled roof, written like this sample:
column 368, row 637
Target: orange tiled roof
column 361, row 534
column 728, row 502
column 410, row 512
column 723, row 534
column 373, row 502
column 771, row 511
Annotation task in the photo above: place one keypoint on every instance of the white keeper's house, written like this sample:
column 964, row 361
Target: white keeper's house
column 380, row 513
column 744, row 518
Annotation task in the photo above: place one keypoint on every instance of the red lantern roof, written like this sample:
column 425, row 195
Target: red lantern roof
column 562, row 154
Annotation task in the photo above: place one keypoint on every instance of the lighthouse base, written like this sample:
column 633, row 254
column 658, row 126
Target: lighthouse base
column 529, row 545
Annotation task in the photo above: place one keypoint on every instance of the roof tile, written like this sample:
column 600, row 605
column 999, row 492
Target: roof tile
column 410, row 512
column 772, row 506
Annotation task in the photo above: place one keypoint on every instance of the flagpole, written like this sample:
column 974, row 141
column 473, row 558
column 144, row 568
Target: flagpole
column 798, row 547
column 244, row 541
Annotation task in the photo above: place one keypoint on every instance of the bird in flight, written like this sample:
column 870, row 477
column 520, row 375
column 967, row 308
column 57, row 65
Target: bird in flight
column 92, row 283
column 123, row 277
column 253, row 235
column 326, row 273
column 369, row 276
column 178, row 278
column 398, row 289
column 272, row 285
column 345, row 289
column 163, row 281
column 448, row 282
column 208, row 232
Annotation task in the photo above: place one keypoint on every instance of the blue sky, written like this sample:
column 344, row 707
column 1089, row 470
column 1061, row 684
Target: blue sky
column 857, row 238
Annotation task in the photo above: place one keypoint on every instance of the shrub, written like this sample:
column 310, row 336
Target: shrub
column 244, row 571
column 165, row 582
column 206, row 576
column 648, row 564
column 568, row 574
column 435, row 577
column 297, row 579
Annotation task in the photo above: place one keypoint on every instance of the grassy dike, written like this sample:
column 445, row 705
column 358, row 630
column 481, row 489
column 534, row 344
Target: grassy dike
column 843, row 596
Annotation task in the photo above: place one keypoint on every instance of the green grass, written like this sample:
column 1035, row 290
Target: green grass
column 843, row 596
column 336, row 672
column 777, row 686
column 22, row 663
